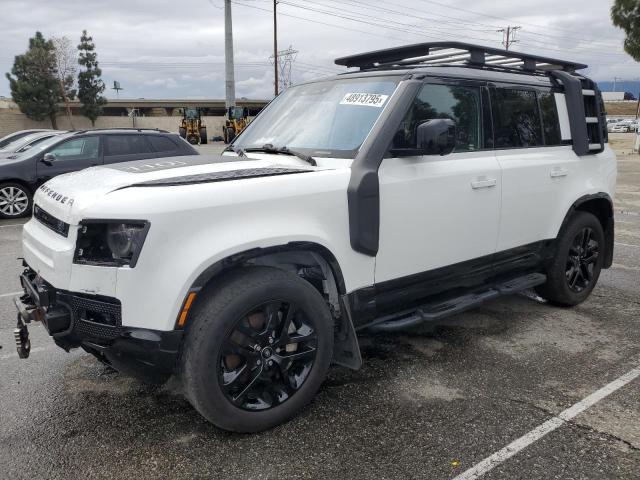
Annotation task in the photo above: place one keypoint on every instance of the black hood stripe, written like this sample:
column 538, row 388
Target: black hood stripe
column 219, row 176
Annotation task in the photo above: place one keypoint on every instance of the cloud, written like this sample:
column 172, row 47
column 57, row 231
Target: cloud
column 164, row 49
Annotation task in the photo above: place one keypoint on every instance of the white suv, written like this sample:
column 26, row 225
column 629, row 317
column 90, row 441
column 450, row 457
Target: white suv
column 435, row 178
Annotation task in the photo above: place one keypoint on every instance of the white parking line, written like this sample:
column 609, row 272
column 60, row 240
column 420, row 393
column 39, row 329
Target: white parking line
column 13, row 294
column 627, row 245
column 12, row 225
column 549, row 426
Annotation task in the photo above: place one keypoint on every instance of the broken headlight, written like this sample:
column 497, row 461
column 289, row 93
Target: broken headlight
column 113, row 243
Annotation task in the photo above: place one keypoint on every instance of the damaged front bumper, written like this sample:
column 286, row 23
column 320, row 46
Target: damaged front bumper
column 94, row 323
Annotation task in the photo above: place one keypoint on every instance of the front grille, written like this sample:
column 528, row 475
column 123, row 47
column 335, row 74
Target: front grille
column 50, row 221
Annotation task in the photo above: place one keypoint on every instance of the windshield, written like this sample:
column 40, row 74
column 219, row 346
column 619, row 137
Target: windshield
column 16, row 144
column 43, row 145
column 323, row 119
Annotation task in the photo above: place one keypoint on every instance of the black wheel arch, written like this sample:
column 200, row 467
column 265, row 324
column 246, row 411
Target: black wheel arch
column 601, row 205
column 312, row 262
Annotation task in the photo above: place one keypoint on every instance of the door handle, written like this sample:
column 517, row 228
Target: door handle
column 483, row 182
column 558, row 172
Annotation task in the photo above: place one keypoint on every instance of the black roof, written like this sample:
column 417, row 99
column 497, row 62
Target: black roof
column 458, row 54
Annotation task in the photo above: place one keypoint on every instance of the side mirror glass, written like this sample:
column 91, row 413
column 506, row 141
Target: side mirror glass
column 48, row 158
column 436, row 137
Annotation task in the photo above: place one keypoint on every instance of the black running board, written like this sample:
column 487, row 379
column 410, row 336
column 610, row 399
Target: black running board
column 438, row 310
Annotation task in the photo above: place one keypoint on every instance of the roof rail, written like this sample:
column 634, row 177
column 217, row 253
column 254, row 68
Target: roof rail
column 134, row 129
column 455, row 53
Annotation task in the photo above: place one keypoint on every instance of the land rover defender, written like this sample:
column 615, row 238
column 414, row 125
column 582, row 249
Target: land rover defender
column 433, row 178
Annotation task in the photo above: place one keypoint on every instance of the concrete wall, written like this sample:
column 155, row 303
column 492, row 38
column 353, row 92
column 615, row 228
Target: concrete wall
column 12, row 120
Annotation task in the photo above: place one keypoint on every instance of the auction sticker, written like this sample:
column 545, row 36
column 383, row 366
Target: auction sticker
column 364, row 99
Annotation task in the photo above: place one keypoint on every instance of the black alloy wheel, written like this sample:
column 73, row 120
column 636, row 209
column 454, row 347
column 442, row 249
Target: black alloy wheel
column 579, row 254
column 267, row 356
column 581, row 261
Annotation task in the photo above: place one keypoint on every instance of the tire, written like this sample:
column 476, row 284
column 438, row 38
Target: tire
column 203, row 136
column 15, row 200
column 262, row 391
column 576, row 266
column 183, row 132
column 231, row 134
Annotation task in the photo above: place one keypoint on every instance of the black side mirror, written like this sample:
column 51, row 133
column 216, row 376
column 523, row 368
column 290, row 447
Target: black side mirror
column 48, row 159
column 436, row 137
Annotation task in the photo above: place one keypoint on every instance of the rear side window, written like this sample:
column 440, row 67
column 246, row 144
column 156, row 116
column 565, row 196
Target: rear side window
column 460, row 104
column 516, row 119
column 550, row 122
column 162, row 144
column 125, row 145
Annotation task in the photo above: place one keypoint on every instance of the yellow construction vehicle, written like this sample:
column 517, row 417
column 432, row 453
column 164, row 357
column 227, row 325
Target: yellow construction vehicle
column 236, row 121
column 192, row 128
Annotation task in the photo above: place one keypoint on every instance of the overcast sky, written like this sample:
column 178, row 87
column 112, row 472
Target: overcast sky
column 175, row 49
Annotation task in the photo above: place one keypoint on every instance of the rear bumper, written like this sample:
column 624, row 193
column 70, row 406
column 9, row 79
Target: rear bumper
column 94, row 323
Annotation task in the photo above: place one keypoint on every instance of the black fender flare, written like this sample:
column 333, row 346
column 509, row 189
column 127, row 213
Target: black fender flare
column 346, row 350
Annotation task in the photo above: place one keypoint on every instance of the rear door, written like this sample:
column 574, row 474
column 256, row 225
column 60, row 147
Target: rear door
column 70, row 155
column 126, row 147
column 537, row 168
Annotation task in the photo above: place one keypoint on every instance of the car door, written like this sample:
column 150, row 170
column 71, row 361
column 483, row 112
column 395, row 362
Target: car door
column 537, row 169
column 126, row 147
column 440, row 211
column 70, row 155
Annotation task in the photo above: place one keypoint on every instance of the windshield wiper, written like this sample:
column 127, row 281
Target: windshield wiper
column 269, row 148
column 237, row 151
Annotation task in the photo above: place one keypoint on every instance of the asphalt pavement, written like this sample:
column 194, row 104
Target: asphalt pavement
column 430, row 403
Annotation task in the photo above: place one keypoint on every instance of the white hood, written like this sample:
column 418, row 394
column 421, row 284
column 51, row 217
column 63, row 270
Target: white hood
column 67, row 195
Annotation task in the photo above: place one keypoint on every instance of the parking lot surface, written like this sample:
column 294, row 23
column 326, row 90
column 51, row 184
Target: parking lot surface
column 429, row 403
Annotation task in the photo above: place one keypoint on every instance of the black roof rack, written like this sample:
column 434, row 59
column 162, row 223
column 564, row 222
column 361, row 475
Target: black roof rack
column 132, row 129
column 455, row 53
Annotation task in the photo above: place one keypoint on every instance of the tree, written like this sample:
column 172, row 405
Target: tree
column 626, row 15
column 66, row 61
column 90, row 85
column 33, row 81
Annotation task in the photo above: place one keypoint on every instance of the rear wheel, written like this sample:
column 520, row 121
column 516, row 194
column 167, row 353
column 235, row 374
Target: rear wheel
column 258, row 349
column 575, row 269
column 203, row 136
column 231, row 134
column 15, row 200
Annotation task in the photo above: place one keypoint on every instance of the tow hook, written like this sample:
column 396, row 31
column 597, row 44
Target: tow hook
column 21, row 335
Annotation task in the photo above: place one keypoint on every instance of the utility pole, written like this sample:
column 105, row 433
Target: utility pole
column 509, row 35
column 230, row 84
column 275, row 48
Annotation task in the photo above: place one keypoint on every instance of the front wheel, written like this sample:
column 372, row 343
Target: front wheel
column 15, row 200
column 257, row 350
column 576, row 266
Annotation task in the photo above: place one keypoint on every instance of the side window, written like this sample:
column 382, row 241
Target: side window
column 550, row 122
column 77, row 148
column 516, row 118
column 125, row 145
column 162, row 144
column 460, row 104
